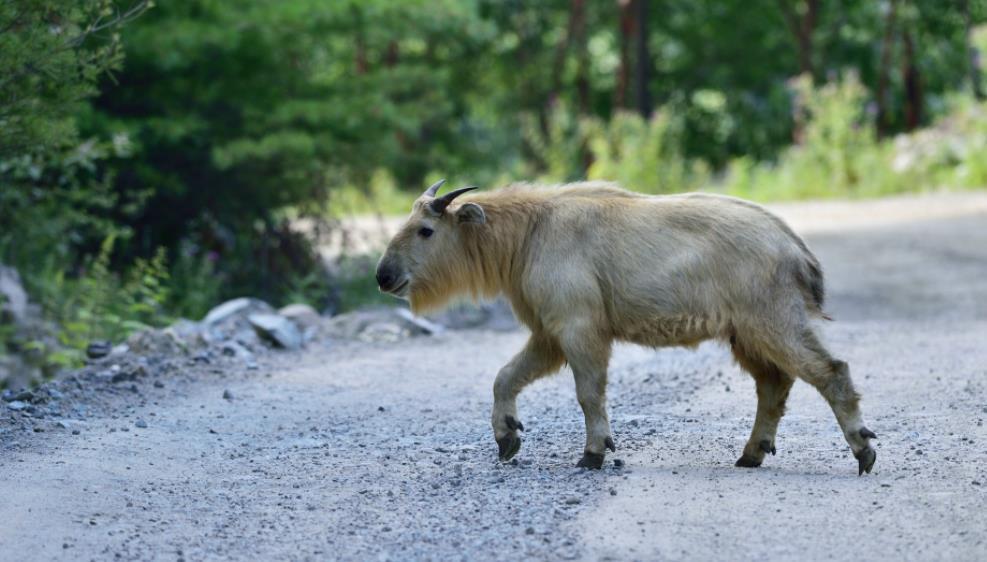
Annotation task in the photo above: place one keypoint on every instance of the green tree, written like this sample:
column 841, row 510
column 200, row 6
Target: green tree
column 239, row 111
column 52, row 198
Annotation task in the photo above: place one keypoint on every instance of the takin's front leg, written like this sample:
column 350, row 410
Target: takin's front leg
column 540, row 356
column 589, row 354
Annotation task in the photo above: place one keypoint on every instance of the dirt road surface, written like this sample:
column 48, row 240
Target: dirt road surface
column 358, row 451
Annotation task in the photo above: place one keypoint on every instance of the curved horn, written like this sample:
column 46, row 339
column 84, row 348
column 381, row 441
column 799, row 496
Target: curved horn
column 434, row 188
column 439, row 205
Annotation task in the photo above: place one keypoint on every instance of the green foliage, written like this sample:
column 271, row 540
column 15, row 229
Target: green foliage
column 53, row 51
column 194, row 285
column 152, row 169
column 103, row 305
column 643, row 155
column 840, row 156
column 836, row 154
column 354, row 284
column 560, row 149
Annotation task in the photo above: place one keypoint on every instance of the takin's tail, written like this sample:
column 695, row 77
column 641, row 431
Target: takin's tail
column 810, row 280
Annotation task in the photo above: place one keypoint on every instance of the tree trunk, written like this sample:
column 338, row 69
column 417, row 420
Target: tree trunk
column 561, row 50
column 391, row 55
column 973, row 54
column 359, row 43
column 913, row 84
column 883, row 77
column 625, row 34
column 582, row 55
column 643, row 63
column 802, row 25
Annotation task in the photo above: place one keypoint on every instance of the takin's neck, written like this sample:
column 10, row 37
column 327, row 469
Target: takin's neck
column 490, row 258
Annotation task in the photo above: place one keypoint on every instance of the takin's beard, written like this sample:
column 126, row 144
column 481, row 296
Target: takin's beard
column 436, row 287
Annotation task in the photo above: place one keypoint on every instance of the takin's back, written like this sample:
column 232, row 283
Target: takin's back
column 666, row 270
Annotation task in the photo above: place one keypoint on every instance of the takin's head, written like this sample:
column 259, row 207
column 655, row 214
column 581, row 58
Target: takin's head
column 425, row 262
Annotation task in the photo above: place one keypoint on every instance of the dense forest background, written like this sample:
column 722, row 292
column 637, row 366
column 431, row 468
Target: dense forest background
column 154, row 158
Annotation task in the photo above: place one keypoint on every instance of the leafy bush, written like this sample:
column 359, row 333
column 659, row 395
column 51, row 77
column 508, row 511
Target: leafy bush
column 643, row 155
column 840, row 156
column 103, row 305
column 559, row 150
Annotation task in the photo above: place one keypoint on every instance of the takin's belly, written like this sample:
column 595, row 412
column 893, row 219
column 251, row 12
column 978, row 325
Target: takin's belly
column 671, row 330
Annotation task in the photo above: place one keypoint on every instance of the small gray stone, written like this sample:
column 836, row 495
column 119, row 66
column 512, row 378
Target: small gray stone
column 225, row 310
column 13, row 297
column 304, row 316
column 227, row 395
column 98, row 349
column 141, row 424
column 277, row 329
column 573, row 501
column 124, row 376
column 16, row 405
column 424, row 325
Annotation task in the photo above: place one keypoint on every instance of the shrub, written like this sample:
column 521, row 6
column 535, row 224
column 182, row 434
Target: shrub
column 643, row 155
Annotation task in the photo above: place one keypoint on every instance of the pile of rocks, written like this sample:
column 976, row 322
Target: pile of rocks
column 237, row 328
column 386, row 324
column 23, row 333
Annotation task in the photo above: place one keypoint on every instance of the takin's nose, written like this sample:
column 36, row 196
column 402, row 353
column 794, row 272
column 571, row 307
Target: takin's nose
column 386, row 277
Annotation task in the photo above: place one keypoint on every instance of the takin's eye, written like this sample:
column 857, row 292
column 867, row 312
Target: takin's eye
column 425, row 232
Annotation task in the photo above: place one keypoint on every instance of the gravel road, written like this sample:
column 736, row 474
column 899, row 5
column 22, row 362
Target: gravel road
column 358, row 451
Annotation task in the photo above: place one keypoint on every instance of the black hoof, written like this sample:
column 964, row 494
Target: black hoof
column 513, row 424
column 867, row 434
column 609, row 444
column 865, row 460
column 590, row 460
column 767, row 447
column 747, row 462
column 508, row 446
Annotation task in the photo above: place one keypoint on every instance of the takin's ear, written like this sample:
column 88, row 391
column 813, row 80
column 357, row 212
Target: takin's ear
column 471, row 213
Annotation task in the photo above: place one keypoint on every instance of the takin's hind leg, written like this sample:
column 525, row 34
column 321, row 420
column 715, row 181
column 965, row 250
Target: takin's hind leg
column 773, row 386
column 806, row 357
column 588, row 355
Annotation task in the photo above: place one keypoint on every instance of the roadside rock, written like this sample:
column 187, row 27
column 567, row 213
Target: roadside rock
column 277, row 329
column 229, row 321
column 17, row 372
column 306, row 318
column 25, row 333
column 495, row 315
column 235, row 349
column 423, row 324
column 380, row 324
column 383, row 332
column 156, row 342
column 186, row 331
column 13, row 297
column 240, row 307
column 16, row 405
column 98, row 349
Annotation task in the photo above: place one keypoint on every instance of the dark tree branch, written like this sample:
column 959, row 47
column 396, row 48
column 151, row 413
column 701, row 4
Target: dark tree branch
column 644, row 103
column 35, row 66
column 883, row 79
